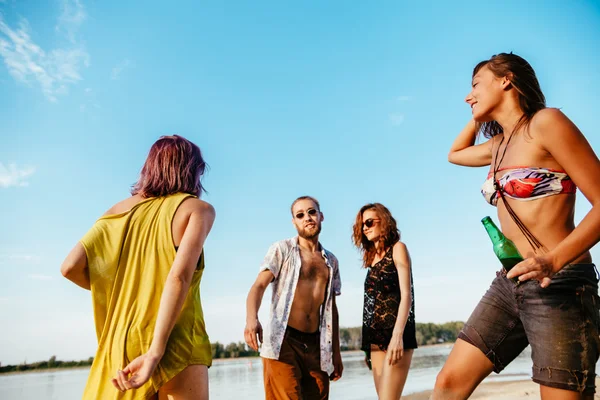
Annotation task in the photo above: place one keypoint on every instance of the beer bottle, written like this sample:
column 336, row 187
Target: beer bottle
column 504, row 248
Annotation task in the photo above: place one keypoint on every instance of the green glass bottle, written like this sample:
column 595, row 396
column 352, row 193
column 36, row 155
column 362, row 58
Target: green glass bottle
column 504, row 248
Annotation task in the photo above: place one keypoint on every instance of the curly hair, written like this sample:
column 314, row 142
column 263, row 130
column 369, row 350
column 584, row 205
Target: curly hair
column 389, row 237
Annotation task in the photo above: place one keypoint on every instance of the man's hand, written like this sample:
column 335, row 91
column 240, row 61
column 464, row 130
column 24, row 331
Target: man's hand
column 253, row 329
column 338, row 366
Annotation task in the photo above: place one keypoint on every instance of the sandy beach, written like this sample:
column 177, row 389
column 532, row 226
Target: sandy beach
column 511, row 390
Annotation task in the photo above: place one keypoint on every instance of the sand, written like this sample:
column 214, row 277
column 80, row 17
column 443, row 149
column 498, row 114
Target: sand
column 508, row 390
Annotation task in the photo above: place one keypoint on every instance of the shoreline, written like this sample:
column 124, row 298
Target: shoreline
column 356, row 351
column 43, row 370
column 215, row 361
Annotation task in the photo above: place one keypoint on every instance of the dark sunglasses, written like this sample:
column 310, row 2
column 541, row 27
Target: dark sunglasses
column 370, row 222
column 310, row 212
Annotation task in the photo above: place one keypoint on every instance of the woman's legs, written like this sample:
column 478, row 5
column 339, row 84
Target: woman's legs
column 467, row 366
column 464, row 369
column 377, row 357
column 492, row 337
column 189, row 384
column 560, row 322
column 389, row 379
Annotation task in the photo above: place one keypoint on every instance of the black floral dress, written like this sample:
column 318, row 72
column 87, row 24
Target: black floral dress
column 380, row 309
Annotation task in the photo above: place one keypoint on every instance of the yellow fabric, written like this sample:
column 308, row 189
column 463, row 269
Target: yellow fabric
column 129, row 257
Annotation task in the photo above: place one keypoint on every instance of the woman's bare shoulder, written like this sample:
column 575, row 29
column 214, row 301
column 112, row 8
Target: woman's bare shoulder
column 123, row 205
column 196, row 205
column 547, row 117
column 400, row 246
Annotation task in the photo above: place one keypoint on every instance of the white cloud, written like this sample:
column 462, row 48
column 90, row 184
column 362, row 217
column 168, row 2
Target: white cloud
column 40, row 277
column 118, row 70
column 11, row 175
column 396, row 119
column 52, row 70
column 22, row 257
column 72, row 16
column 404, row 98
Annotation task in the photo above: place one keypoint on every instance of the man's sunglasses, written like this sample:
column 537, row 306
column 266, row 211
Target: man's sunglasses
column 310, row 212
column 370, row 222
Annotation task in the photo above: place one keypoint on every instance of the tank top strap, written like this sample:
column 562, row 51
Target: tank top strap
column 169, row 208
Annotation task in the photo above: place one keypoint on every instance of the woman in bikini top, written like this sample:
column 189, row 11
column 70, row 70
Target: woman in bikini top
column 527, row 183
column 538, row 159
column 533, row 177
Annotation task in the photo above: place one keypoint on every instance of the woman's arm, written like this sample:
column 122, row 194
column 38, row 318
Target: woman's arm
column 561, row 138
column 173, row 296
column 402, row 263
column 75, row 267
column 465, row 152
column 182, row 271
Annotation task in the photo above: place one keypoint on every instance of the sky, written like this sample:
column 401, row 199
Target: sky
column 350, row 102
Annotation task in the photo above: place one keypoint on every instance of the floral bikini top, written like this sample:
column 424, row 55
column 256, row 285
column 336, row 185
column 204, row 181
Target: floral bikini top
column 527, row 183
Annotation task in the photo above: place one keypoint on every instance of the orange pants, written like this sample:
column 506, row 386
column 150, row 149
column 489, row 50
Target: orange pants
column 297, row 375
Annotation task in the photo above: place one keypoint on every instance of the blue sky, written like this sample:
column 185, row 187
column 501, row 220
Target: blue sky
column 348, row 102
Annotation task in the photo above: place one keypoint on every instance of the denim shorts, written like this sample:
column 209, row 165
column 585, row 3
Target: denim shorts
column 560, row 322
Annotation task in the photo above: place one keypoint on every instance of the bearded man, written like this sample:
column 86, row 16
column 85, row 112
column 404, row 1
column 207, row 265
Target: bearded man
column 301, row 349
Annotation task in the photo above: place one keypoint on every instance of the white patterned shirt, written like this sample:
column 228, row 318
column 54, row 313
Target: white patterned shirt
column 283, row 260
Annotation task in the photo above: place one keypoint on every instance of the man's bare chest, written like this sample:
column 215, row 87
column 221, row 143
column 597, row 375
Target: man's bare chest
column 313, row 268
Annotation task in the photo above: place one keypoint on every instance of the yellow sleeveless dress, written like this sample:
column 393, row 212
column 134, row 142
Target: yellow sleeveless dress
column 129, row 256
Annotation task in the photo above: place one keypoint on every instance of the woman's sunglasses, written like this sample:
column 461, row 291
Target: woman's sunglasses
column 370, row 222
column 310, row 212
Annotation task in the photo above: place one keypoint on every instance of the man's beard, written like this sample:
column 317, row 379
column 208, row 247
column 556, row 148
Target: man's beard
column 309, row 233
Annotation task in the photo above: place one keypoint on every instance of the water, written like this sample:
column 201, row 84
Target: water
column 242, row 378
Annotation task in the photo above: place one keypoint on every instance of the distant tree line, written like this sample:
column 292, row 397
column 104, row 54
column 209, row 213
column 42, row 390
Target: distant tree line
column 51, row 363
column 428, row 333
column 438, row 333
column 232, row 350
column 350, row 339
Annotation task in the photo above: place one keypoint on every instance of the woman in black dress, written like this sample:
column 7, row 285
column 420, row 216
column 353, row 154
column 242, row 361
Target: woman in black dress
column 388, row 333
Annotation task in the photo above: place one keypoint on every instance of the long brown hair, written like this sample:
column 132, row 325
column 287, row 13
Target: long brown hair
column 174, row 164
column 390, row 233
column 523, row 79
